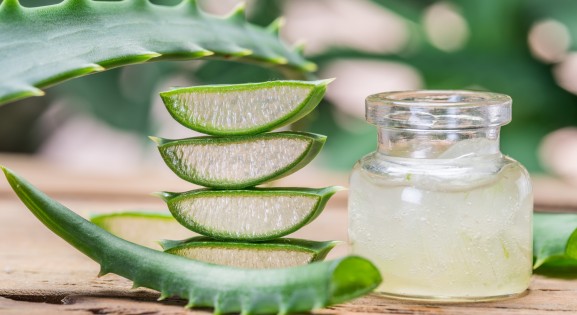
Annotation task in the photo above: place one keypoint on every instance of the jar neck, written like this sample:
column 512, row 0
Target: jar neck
column 438, row 144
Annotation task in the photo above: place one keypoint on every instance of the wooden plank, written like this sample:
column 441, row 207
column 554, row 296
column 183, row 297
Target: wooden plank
column 41, row 274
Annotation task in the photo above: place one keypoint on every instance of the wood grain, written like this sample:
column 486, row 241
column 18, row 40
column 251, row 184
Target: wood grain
column 41, row 274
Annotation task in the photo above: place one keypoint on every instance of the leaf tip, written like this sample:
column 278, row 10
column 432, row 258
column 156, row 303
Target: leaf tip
column 190, row 303
column 238, row 13
column 275, row 26
column 204, row 53
column 163, row 296
column 278, row 60
column 242, row 53
column 103, row 271
column 164, row 195
column 309, row 67
column 326, row 82
column 299, row 47
column 157, row 140
column 4, row 170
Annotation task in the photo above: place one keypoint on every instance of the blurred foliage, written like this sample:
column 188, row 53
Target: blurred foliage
column 496, row 57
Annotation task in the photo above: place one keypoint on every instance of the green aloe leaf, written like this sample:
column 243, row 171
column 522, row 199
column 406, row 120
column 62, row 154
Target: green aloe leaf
column 142, row 228
column 279, row 253
column 242, row 109
column 226, row 289
column 251, row 214
column 555, row 240
column 242, row 161
column 46, row 45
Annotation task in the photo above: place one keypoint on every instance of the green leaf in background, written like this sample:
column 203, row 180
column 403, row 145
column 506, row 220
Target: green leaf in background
column 552, row 244
column 495, row 56
column 142, row 228
column 45, row 45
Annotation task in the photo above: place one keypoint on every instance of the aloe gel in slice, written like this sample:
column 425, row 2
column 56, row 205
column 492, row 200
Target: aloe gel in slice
column 242, row 161
column 243, row 109
column 279, row 253
column 250, row 214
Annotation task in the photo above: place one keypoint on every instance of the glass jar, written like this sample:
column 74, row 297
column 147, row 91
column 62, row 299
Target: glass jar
column 442, row 213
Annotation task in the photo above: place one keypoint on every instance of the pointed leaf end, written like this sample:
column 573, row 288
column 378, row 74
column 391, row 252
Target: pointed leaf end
column 157, row 140
column 163, row 296
column 5, row 170
column 242, row 53
column 275, row 26
column 238, row 13
column 278, row 60
column 299, row 47
column 164, row 195
column 309, row 67
column 203, row 53
column 326, row 82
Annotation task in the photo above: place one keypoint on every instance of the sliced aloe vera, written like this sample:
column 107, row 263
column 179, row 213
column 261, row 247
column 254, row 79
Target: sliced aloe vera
column 226, row 289
column 142, row 228
column 279, row 253
column 239, row 162
column 242, row 109
column 249, row 214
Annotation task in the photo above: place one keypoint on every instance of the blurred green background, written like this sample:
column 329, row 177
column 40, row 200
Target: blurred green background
column 522, row 48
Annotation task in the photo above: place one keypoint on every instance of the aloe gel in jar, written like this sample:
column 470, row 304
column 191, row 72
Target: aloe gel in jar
column 442, row 213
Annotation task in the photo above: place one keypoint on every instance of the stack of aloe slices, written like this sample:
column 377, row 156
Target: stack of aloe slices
column 241, row 224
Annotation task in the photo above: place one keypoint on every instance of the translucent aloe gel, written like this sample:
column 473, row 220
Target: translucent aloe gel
column 438, row 208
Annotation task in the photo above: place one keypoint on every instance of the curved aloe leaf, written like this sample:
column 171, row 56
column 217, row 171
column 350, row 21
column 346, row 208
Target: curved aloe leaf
column 242, row 161
column 250, row 214
column 46, row 45
column 227, row 289
column 242, row 109
column 279, row 253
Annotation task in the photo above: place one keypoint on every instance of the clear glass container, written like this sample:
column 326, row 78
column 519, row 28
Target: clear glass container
column 442, row 213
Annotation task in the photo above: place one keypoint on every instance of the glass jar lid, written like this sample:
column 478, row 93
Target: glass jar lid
column 438, row 109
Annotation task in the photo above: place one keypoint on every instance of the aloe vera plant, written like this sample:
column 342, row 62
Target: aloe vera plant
column 241, row 109
column 279, row 253
column 46, row 45
column 239, row 162
column 227, row 289
column 250, row 214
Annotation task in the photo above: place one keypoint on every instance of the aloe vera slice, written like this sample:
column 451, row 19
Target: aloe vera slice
column 239, row 162
column 279, row 253
column 251, row 214
column 142, row 228
column 227, row 289
column 242, row 109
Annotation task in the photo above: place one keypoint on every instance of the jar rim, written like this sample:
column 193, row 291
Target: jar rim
column 438, row 109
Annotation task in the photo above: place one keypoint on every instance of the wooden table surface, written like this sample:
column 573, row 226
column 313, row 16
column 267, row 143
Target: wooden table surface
column 42, row 274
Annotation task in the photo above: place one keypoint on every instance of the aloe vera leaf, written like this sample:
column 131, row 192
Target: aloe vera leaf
column 241, row 161
column 142, row 228
column 46, row 45
column 256, row 214
column 243, row 109
column 227, row 289
column 279, row 253
column 554, row 240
